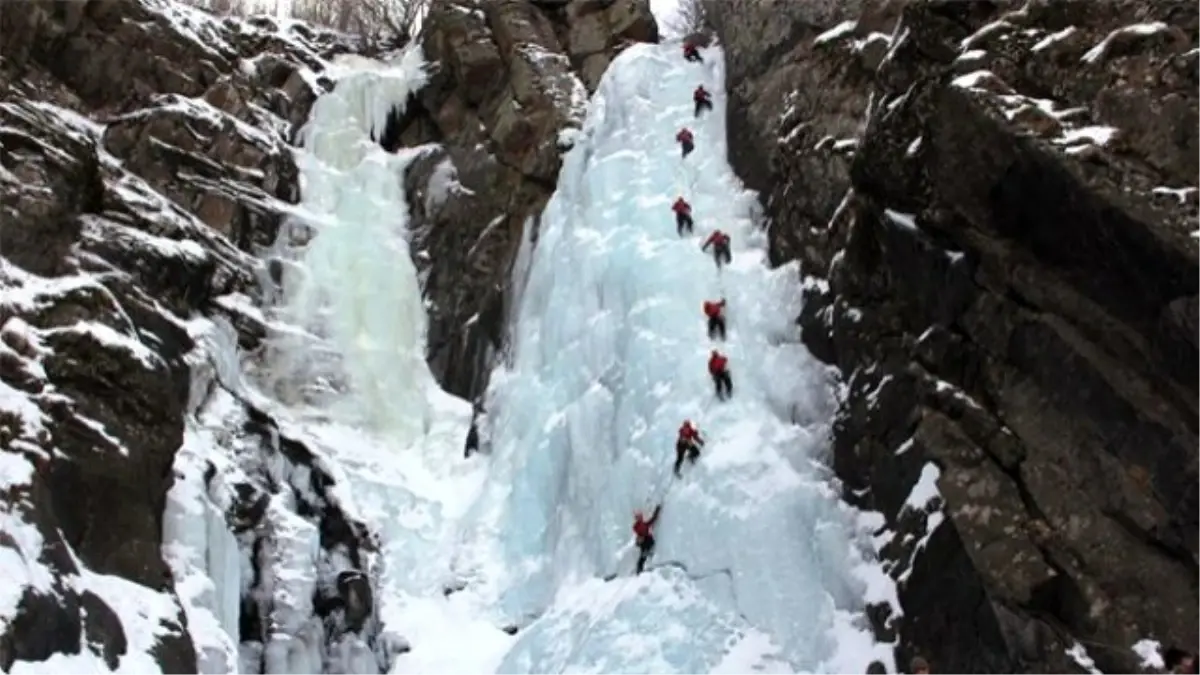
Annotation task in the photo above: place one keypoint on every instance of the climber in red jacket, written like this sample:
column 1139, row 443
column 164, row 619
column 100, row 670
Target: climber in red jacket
column 686, row 140
column 718, row 367
column 691, row 53
column 720, row 243
column 644, row 536
column 702, row 99
column 715, row 311
column 683, row 216
column 687, row 444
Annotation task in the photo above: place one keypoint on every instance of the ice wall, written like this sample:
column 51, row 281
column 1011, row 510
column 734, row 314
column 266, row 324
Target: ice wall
column 756, row 555
column 356, row 348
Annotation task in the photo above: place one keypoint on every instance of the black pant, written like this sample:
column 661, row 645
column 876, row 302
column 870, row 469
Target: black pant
column 721, row 254
column 687, row 449
column 716, row 326
column 687, row 147
column 724, row 384
column 694, row 57
column 683, row 221
column 703, row 104
column 645, row 548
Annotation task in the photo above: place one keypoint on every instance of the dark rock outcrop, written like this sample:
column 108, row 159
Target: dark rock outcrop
column 510, row 78
column 142, row 158
column 994, row 205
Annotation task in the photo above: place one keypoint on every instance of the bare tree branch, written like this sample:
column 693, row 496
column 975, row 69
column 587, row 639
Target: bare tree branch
column 381, row 24
column 690, row 17
column 222, row 7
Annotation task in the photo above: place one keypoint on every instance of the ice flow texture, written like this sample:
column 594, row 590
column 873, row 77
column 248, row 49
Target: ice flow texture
column 607, row 358
column 356, row 285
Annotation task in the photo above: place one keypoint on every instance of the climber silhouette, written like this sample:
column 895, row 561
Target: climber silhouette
column 720, row 243
column 691, row 53
column 683, row 216
column 702, row 99
column 687, row 445
column 715, row 311
column 718, row 368
column 643, row 532
column 686, row 141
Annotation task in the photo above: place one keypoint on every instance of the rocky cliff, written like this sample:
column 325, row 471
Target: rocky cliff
column 995, row 207
column 501, row 138
column 145, row 170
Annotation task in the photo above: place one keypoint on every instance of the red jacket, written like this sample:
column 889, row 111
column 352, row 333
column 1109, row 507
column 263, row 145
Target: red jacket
column 681, row 207
column 688, row 432
column 701, row 94
column 717, row 238
column 641, row 526
column 684, row 136
column 716, row 363
column 688, row 48
column 713, row 309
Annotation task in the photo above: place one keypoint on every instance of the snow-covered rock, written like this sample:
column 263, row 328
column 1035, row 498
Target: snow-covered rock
column 135, row 185
column 1020, row 195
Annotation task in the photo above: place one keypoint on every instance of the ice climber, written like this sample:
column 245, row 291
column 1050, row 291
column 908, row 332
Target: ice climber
column 686, row 140
column 683, row 216
column 688, row 444
column 718, row 367
column 644, row 536
column 702, row 99
column 715, row 311
column 691, row 53
column 719, row 241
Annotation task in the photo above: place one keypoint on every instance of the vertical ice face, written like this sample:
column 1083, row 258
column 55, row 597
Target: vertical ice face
column 347, row 369
column 757, row 560
column 354, row 285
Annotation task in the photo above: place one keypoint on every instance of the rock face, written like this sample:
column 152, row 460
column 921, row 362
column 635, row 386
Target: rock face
column 994, row 205
column 144, row 168
column 511, row 83
column 143, row 156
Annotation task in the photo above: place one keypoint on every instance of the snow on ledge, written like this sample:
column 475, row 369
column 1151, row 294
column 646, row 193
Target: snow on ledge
column 1097, row 135
column 983, row 33
column 1150, row 652
column 1053, row 38
column 907, row 221
column 925, row 490
column 840, row 30
column 1081, row 658
column 1096, row 53
column 1181, row 193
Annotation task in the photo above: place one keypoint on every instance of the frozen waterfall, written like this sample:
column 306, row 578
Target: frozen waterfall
column 355, row 288
column 758, row 564
column 522, row 560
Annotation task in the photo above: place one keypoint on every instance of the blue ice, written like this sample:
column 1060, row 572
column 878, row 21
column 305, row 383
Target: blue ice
column 759, row 566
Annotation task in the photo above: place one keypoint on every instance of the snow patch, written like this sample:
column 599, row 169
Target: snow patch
column 1150, row 652
column 1142, row 29
column 842, row 29
column 907, row 221
column 1096, row 135
column 1081, row 658
column 1053, row 38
